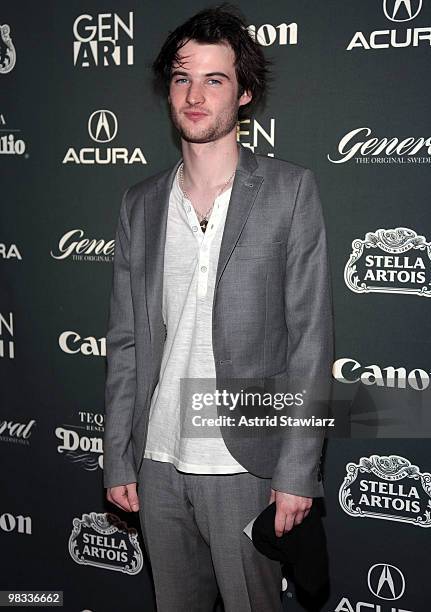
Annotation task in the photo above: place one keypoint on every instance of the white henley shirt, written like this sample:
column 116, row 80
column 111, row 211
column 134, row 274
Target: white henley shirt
column 190, row 265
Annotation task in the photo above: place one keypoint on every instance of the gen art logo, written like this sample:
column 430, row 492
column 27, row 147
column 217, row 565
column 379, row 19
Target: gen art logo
column 103, row 40
column 257, row 136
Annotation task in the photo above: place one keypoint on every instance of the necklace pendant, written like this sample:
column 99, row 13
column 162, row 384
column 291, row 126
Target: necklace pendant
column 203, row 224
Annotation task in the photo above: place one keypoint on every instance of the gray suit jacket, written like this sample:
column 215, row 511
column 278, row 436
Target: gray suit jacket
column 272, row 315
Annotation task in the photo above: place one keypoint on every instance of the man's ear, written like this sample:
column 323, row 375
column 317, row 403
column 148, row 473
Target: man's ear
column 245, row 97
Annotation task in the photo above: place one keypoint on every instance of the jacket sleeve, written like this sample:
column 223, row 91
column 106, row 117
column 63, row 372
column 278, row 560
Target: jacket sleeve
column 309, row 320
column 120, row 388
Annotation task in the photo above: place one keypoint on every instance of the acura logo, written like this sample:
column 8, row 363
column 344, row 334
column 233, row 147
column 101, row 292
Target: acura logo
column 401, row 10
column 102, row 126
column 386, row 581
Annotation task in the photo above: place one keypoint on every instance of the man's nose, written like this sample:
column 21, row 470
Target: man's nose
column 195, row 94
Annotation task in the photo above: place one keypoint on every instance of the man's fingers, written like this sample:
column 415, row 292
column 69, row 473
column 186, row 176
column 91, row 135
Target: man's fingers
column 114, row 503
column 280, row 523
column 118, row 497
column 133, row 497
column 289, row 522
column 291, row 510
column 124, row 497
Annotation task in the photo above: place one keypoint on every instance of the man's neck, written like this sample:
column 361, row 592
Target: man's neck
column 209, row 165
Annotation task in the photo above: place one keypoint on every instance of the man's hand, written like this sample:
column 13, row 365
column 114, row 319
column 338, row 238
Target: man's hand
column 124, row 496
column 290, row 510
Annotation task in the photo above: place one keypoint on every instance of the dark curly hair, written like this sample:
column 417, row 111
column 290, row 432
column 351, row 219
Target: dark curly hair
column 221, row 24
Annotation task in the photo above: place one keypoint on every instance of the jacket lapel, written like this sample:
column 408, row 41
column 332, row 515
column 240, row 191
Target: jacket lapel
column 244, row 191
column 245, row 188
column 156, row 216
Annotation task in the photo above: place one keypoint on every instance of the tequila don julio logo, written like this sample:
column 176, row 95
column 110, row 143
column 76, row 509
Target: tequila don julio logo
column 83, row 447
column 9, row 143
column 398, row 261
column 389, row 488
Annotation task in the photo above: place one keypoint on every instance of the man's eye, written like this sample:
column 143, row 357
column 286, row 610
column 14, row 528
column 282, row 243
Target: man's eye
column 180, row 80
column 215, row 81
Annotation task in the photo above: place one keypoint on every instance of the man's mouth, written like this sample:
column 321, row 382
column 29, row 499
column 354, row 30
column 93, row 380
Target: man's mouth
column 195, row 115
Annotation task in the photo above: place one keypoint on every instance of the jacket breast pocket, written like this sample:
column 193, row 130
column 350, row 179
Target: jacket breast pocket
column 260, row 250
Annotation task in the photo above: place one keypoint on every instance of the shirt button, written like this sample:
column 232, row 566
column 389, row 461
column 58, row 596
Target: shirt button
column 195, row 228
column 203, row 269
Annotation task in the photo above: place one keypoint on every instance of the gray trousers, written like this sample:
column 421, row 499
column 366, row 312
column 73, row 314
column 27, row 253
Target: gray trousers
column 193, row 532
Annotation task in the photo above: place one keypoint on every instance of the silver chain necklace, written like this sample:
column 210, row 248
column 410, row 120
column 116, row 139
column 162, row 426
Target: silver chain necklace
column 204, row 221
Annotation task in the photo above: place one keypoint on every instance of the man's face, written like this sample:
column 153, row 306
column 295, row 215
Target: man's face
column 203, row 93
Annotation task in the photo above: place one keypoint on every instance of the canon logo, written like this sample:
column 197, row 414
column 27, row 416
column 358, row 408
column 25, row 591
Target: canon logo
column 268, row 34
column 21, row 524
column 350, row 371
column 70, row 342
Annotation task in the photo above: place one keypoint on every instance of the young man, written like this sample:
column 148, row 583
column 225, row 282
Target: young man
column 220, row 272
